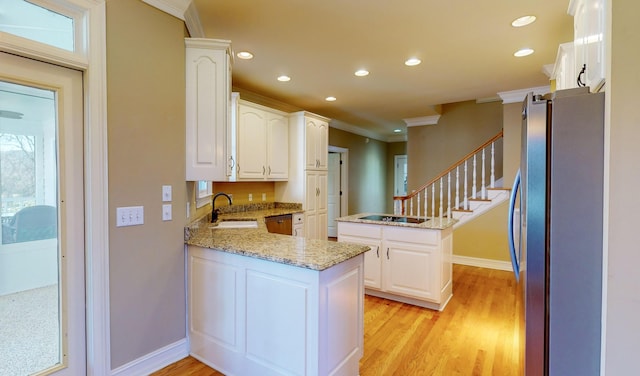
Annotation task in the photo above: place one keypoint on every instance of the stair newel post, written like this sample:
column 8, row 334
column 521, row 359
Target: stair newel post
column 466, row 174
column 493, row 165
column 458, row 187
column 433, row 200
column 426, row 212
column 449, row 195
column 484, row 189
column 474, row 189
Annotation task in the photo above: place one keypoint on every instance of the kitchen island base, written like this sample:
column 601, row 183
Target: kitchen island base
column 255, row 317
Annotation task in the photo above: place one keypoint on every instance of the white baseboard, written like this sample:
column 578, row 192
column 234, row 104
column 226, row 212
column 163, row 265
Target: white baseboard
column 483, row 263
column 154, row 361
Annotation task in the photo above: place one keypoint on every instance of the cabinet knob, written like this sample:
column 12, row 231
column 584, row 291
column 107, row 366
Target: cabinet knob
column 233, row 163
column 263, row 170
column 269, row 170
column 387, row 253
column 378, row 251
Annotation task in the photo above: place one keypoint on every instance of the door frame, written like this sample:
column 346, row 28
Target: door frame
column 344, row 178
column 90, row 58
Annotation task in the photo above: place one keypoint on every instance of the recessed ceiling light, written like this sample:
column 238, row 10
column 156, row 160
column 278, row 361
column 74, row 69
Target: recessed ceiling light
column 523, row 21
column 412, row 61
column 523, row 52
column 245, row 55
column 362, row 73
column 284, row 78
column 397, row 130
column 330, row 99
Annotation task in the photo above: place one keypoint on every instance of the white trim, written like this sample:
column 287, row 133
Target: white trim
column 155, row 361
column 423, row 120
column 192, row 20
column 176, row 8
column 515, row 96
column 483, row 263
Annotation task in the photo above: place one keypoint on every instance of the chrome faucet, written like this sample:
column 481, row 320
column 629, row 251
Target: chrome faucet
column 214, row 211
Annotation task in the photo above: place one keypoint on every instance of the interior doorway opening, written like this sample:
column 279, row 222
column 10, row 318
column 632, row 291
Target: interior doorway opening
column 338, row 186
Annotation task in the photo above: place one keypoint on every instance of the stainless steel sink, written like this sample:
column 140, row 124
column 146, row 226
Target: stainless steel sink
column 393, row 218
column 236, row 224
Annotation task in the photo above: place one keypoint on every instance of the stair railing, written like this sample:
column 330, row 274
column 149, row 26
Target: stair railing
column 434, row 199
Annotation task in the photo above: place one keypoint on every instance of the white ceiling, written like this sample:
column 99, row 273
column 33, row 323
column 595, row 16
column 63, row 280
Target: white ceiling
column 466, row 48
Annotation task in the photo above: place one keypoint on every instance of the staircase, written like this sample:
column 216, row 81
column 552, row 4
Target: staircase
column 463, row 191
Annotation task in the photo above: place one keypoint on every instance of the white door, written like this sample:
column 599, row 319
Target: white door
column 333, row 194
column 42, row 281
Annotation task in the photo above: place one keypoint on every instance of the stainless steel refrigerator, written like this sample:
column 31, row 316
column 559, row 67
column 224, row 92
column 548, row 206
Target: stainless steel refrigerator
column 558, row 261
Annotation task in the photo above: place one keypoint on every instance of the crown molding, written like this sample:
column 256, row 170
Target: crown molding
column 176, row 8
column 423, row 120
column 192, row 20
column 514, row 96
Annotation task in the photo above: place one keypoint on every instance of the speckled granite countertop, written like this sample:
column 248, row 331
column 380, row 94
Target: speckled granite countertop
column 433, row 223
column 259, row 243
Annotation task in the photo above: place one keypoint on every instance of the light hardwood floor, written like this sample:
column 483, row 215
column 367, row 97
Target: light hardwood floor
column 478, row 333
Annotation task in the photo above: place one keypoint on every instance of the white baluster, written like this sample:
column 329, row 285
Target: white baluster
column 449, row 195
column 418, row 196
column 433, row 200
column 466, row 174
column 441, row 199
column 458, row 187
column 426, row 213
column 493, row 163
column 484, row 190
column 473, row 183
column 411, row 211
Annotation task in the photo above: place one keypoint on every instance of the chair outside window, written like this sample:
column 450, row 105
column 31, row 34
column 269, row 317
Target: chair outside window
column 31, row 223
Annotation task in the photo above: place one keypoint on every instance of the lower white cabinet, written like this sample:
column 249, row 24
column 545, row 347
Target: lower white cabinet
column 411, row 265
column 297, row 227
column 316, row 210
column 249, row 316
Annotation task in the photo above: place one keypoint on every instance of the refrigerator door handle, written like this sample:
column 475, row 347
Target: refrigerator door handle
column 512, row 247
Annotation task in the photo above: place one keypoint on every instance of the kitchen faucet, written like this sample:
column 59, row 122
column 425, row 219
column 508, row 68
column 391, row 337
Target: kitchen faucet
column 214, row 211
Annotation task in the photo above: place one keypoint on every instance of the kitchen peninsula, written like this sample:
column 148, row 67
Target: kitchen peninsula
column 410, row 258
column 265, row 304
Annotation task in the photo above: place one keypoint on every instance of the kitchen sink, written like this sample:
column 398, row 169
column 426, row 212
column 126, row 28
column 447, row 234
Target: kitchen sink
column 393, row 218
column 236, row 224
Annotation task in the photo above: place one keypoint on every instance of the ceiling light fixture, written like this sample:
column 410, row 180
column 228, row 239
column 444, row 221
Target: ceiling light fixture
column 523, row 52
column 245, row 55
column 523, row 21
column 412, row 62
column 330, row 99
column 284, row 78
column 362, row 73
column 397, row 130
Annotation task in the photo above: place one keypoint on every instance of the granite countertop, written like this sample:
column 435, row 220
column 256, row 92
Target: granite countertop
column 259, row 243
column 434, row 223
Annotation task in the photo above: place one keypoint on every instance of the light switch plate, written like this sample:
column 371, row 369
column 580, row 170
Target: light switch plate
column 166, row 212
column 129, row 216
column 166, row 193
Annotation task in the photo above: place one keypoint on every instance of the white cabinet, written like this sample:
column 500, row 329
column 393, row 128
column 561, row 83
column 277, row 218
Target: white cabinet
column 316, row 209
column 410, row 265
column 564, row 70
column 297, row 227
column 317, row 143
column 208, row 91
column 263, row 143
column 307, row 184
column 249, row 316
column 589, row 40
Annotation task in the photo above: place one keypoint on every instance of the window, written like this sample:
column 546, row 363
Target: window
column 203, row 192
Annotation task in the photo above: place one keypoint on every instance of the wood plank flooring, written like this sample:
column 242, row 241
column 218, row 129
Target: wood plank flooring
column 477, row 334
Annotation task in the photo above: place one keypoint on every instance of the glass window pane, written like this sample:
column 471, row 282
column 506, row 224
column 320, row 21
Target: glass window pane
column 21, row 18
column 30, row 332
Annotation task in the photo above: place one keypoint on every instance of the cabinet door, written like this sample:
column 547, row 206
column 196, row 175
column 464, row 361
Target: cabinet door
column 317, row 144
column 322, row 207
column 322, row 145
column 207, row 107
column 277, row 147
column 372, row 259
column 252, row 148
column 411, row 269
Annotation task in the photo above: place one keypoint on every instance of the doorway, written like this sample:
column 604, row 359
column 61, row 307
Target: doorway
column 42, row 280
column 400, row 175
column 338, row 186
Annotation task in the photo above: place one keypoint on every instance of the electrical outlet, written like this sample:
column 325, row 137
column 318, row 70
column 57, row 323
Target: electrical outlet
column 250, row 196
column 166, row 193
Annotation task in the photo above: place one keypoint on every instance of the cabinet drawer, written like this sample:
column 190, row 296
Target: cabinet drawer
column 361, row 230
column 409, row 235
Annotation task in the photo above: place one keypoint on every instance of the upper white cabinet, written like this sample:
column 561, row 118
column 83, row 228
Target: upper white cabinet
column 208, row 91
column 262, row 143
column 589, row 41
column 564, row 71
column 317, row 142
